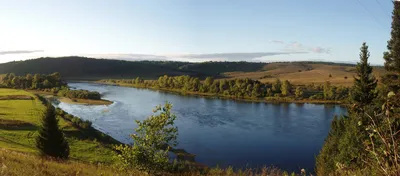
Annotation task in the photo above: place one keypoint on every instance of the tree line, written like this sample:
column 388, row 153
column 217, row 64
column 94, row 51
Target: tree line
column 48, row 83
column 29, row 81
column 241, row 88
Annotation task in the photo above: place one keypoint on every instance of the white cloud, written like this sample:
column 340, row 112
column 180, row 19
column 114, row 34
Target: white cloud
column 19, row 52
column 299, row 47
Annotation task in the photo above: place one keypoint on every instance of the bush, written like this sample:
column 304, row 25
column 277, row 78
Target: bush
column 79, row 94
column 152, row 142
column 318, row 96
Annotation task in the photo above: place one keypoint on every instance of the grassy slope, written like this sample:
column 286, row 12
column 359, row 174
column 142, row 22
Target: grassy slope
column 23, row 119
column 318, row 74
column 19, row 164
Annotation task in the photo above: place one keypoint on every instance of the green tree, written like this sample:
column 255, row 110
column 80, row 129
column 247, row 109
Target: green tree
column 16, row 81
column 326, row 159
column 299, row 92
column 256, row 90
column 208, row 82
column 364, row 88
column 36, row 82
column 51, row 141
column 329, row 91
column 276, row 86
column 47, row 84
column 285, row 88
column 392, row 56
column 152, row 141
column 195, row 84
column 223, row 85
column 29, row 79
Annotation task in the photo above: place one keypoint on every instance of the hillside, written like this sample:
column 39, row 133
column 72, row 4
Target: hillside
column 88, row 68
column 82, row 68
column 19, row 122
column 305, row 73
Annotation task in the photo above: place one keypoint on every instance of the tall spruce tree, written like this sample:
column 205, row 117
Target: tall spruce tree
column 364, row 88
column 392, row 56
column 51, row 141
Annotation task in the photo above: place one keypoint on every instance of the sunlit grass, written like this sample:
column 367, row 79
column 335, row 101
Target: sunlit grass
column 22, row 138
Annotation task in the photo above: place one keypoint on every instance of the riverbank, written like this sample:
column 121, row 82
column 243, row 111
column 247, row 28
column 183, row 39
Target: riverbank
column 72, row 101
column 244, row 99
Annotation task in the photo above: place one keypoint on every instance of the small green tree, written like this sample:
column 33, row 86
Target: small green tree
column 152, row 141
column 256, row 92
column 276, row 86
column 364, row 89
column 329, row 91
column 208, row 82
column 51, row 141
column 299, row 92
column 285, row 88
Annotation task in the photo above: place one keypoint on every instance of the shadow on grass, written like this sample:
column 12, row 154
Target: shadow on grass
column 16, row 125
column 90, row 134
column 13, row 142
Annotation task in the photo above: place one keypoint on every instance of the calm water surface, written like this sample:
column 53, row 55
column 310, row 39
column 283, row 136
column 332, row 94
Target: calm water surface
column 219, row 132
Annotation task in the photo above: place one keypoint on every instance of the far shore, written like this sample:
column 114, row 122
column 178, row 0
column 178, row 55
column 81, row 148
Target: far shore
column 210, row 95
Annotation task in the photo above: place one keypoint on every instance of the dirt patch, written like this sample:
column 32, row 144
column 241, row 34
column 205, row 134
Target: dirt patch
column 16, row 97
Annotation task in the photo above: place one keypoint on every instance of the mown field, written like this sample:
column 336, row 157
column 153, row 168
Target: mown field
column 19, row 122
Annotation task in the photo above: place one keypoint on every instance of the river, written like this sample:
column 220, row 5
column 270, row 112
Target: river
column 219, row 132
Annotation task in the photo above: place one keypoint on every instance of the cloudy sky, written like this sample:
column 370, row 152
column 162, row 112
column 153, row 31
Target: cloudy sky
column 194, row 30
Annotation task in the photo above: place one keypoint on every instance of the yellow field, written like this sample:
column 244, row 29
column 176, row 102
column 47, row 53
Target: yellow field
column 304, row 73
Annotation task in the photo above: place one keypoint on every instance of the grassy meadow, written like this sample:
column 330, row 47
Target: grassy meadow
column 19, row 122
column 300, row 73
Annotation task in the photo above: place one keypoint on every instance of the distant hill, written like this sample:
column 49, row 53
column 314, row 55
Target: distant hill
column 74, row 67
column 89, row 68
column 83, row 68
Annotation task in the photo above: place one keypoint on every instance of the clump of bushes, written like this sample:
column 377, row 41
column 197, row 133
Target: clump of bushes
column 80, row 94
column 318, row 96
column 76, row 121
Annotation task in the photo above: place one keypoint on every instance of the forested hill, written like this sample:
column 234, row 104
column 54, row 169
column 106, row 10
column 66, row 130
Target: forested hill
column 83, row 68
column 88, row 68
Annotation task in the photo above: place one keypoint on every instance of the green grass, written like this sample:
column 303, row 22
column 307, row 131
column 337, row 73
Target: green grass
column 4, row 92
column 21, row 120
column 20, row 164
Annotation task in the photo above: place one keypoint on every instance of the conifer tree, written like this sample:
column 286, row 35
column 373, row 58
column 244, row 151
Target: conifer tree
column 51, row 141
column 392, row 56
column 363, row 92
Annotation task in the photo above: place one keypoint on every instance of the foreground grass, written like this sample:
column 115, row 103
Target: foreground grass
column 20, row 120
column 19, row 164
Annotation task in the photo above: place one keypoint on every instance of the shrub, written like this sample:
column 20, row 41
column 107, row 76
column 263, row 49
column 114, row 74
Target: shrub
column 318, row 96
column 153, row 139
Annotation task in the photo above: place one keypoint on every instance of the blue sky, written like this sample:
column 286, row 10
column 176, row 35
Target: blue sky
column 195, row 30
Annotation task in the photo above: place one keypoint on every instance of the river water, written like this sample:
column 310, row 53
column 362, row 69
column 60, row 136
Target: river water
column 219, row 132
